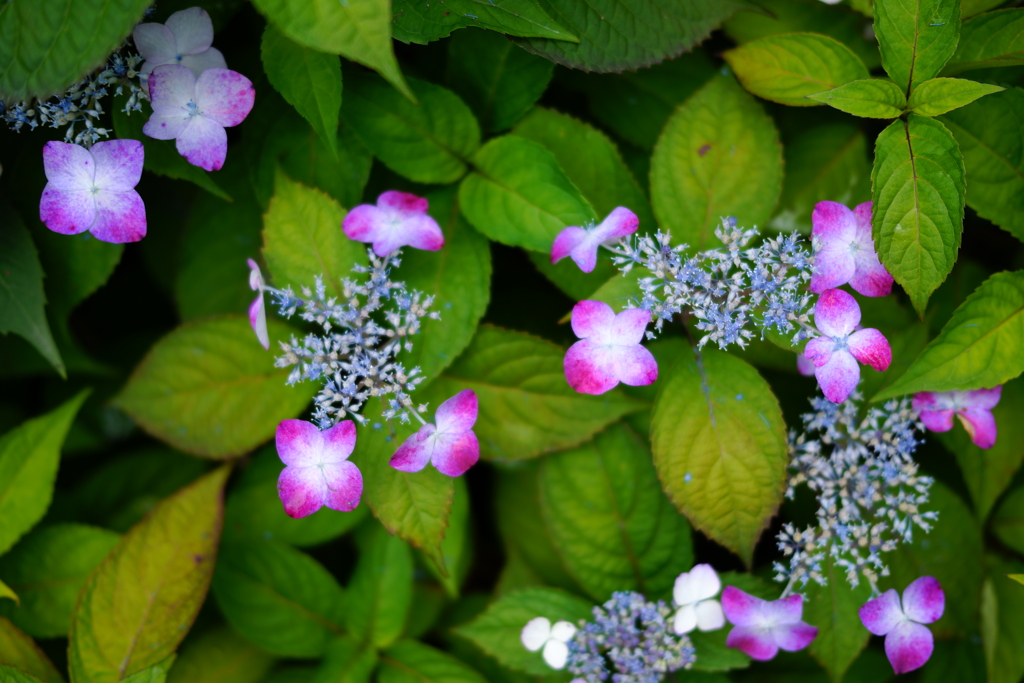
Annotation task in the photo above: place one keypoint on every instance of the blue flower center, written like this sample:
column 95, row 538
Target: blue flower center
column 179, row 58
column 193, row 109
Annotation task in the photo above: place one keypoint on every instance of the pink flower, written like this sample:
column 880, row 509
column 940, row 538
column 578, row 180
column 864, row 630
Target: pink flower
column 195, row 112
column 581, row 244
column 836, row 352
column 94, row 190
column 803, row 366
column 451, row 445
column 399, row 219
column 318, row 472
column 908, row 644
column 185, row 39
column 761, row 627
column 845, row 252
column 609, row 349
column 257, row 310
column 974, row 408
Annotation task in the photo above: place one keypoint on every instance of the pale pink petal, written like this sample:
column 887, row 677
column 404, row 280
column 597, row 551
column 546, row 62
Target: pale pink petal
column 880, row 615
column 171, row 86
column 710, row 616
column 167, row 123
column 118, row 164
column 255, row 275
column 839, row 376
column 301, row 490
column 926, row 400
column 836, row 313
column 635, row 366
column 787, row 610
column 120, row 217
column 536, row 632
column 909, row 646
column 834, row 229
column 871, row 278
column 584, row 254
column 198, row 63
column 741, row 608
column 155, row 43
column 619, row 223
column 923, row 600
column 685, row 619
column 343, row 483
column 403, row 203
column 203, row 143
column 258, row 321
column 591, row 369
column 793, row 637
column 756, row 642
column 68, row 213
column 566, row 241
column 364, row 223
column 700, row 583
column 68, row 167
column 818, row 352
column 457, row 414
column 983, row 399
column 389, row 239
column 299, row 443
column 225, row 96
column 456, row 453
column 981, row 425
column 804, row 365
column 192, row 29
column 421, row 232
column 862, row 219
column 937, row 420
column 833, row 266
column 414, row 454
column 870, row 347
column 629, row 326
column 591, row 318
column 338, row 442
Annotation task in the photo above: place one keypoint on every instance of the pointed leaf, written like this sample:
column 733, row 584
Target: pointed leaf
column 409, row 661
column 833, row 609
column 1002, row 632
column 873, row 98
column 154, row 674
column 220, row 656
column 11, row 675
column 347, row 661
column 456, row 546
column 380, row 591
column 939, row 95
column 75, row 268
column 916, row 38
column 21, row 653
column 989, row 40
column 422, row 23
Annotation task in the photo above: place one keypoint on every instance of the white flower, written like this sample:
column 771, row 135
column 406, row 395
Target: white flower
column 539, row 633
column 693, row 595
column 185, row 39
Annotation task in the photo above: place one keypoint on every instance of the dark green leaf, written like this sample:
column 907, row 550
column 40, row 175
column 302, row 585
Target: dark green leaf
column 940, row 95
column 833, row 609
column 989, row 40
column 422, row 23
column 1008, row 521
column 956, row 660
column 411, row 662
column 347, row 661
column 874, row 98
column 20, row 652
column 456, row 547
column 11, row 675
column 380, row 591
column 916, row 38
column 75, row 266
column 220, row 656
column 1002, row 631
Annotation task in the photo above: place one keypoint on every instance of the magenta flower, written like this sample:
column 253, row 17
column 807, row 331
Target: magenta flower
column 581, row 244
column 609, row 349
column 908, row 644
column 257, row 310
column 974, row 408
column 399, row 219
column 195, row 112
column 835, row 354
column 845, row 252
column 185, row 39
column 94, row 190
column 761, row 628
column 318, row 472
column 451, row 445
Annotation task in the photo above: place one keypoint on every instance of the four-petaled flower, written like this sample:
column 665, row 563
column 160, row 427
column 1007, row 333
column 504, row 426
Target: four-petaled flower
column 693, row 593
column 194, row 112
column 318, row 472
column 762, row 627
column 609, row 349
column 974, row 408
column 539, row 633
column 581, row 244
column 845, row 252
column 185, row 39
column 257, row 311
column 908, row 643
column 451, row 445
column 94, row 190
column 398, row 219
column 836, row 352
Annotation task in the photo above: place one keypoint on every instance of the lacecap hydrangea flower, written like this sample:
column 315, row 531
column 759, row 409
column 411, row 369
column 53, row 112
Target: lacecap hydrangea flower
column 694, row 594
column 762, row 627
column 450, row 445
column 257, row 309
column 844, row 251
column 908, row 643
column 317, row 471
column 580, row 244
column 974, row 408
column 609, row 349
column 539, row 633
column 399, row 219
column 185, row 39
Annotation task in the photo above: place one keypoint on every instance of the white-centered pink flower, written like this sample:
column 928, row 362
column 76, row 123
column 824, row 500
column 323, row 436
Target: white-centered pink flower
column 257, row 309
column 837, row 352
column 762, row 628
column 194, row 112
column 94, row 190
column 580, row 244
column 318, row 472
column 845, row 252
column 974, row 408
column 185, row 39
column 399, row 219
column 694, row 594
column 539, row 633
column 609, row 349
column 908, row 643
column 450, row 444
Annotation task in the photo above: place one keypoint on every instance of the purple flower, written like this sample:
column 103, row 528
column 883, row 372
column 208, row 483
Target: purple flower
column 761, row 627
column 835, row 354
column 195, row 112
column 185, row 39
column 609, row 349
column 803, row 366
column 581, row 244
column 694, row 594
column 451, row 445
column 399, row 219
column 318, row 472
column 257, row 310
column 845, row 252
column 974, row 408
column 908, row 644
column 94, row 190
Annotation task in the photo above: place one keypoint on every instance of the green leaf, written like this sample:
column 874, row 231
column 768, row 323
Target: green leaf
column 279, row 598
column 12, row 675
column 497, row 631
column 498, row 80
column 40, row 56
column 429, row 142
column 611, row 523
column 940, row 95
column 989, row 40
column 380, row 592
column 1008, row 520
column 423, row 23
column 873, row 98
column 347, row 661
column 220, row 656
column 788, row 68
column 47, row 569
column 1002, row 631
column 906, row 341
column 19, row 651
column 711, row 150
column 518, row 195
column 75, row 267
column 209, row 389
column 21, row 289
column 719, row 444
column 360, row 31
column 918, row 183
column 29, row 457
column 833, row 609
column 136, row 607
column 309, row 80
column 977, row 348
column 456, row 546
column 916, row 38
column 153, row 674
column 6, row 592
column 411, row 662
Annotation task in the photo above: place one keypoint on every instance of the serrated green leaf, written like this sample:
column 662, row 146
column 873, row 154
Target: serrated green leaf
column 308, row 80
column 21, row 653
column 347, row 661
column 719, row 444
column 989, row 40
column 833, row 609
column 136, row 607
column 707, row 155
column 518, row 195
column 874, row 98
column 409, row 661
column 423, row 23
column 1002, row 631
column 918, row 184
column 916, row 38
column 220, row 656
column 208, row 388
column 380, row 592
column 456, row 548
column 940, row 95
column 788, row 68
column 278, row 597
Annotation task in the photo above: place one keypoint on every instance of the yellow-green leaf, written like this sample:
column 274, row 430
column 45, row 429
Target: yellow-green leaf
column 220, row 656
column 20, row 652
column 939, row 95
column 873, row 98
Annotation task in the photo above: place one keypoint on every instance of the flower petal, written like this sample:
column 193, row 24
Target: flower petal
column 880, row 615
column 155, row 42
column 619, row 223
column 67, row 212
column 167, row 123
column 364, row 223
column 203, row 143
column 804, row 365
column 255, row 275
column 566, row 241
column 454, row 454
column 591, row 318
column 700, row 583
column 833, row 232
column 635, row 366
column 629, row 326
column 338, row 441
column 258, row 321
column 923, row 600
column 535, row 633
column 983, row 399
column 981, row 425
column 404, row 203
column 171, row 86
column 584, row 254
column 344, row 484
column 754, row 641
column 710, row 616
column 192, row 29
column 68, row 167
column 870, row 347
column 793, row 637
column 563, row 631
column 298, row 443
column 198, row 63
column 120, row 217
column 908, row 646
column 556, row 653
column 420, row 232
column 787, row 610
column 818, row 352
column 836, row 313
column 118, row 164
column 301, row 490
column 937, row 420
column 741, row 608
column 685, row 619
column 591, row 369
column 225, row 96
column 839, row 376
column 457, row 414
column 870, row 278
column 414, row 454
